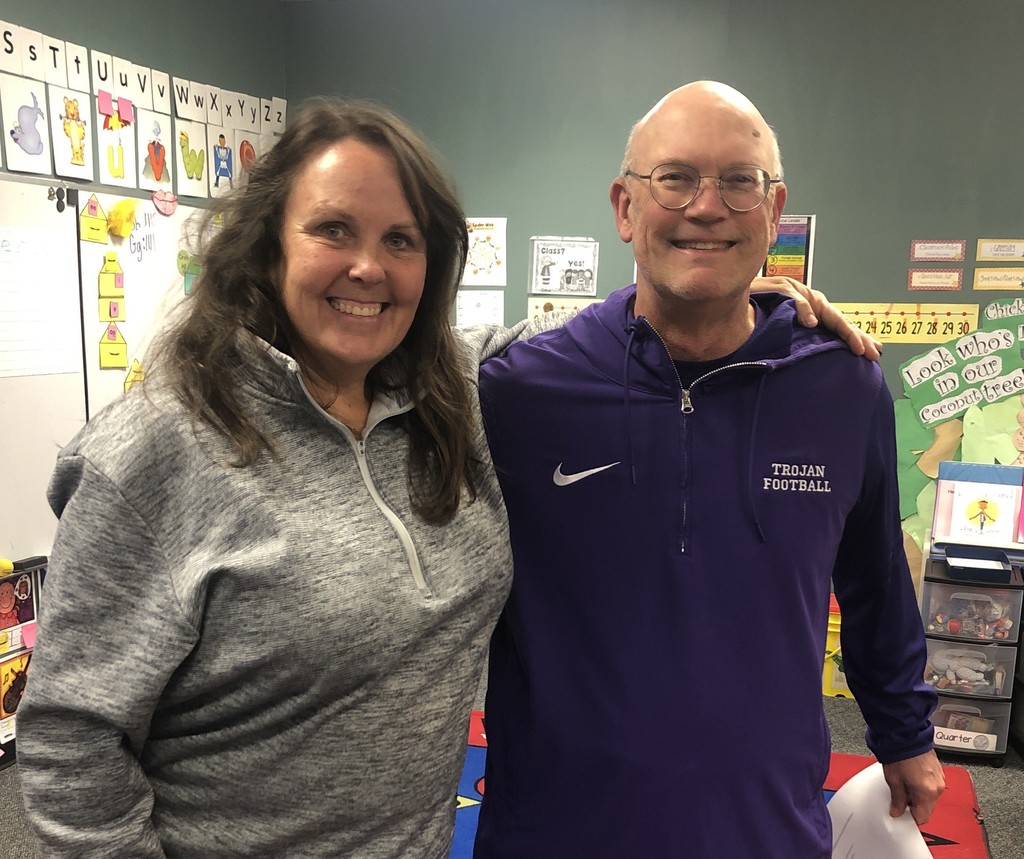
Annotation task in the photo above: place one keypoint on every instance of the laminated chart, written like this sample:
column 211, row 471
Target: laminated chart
column 912, row 323
column 791, row 254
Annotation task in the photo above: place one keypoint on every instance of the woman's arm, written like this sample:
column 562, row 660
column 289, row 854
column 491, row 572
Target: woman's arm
column 110, row 634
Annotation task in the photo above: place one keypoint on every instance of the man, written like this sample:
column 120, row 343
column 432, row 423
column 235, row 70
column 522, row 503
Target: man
column 685, row 470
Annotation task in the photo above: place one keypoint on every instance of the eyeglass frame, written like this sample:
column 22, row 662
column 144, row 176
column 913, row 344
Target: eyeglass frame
column 769, row 181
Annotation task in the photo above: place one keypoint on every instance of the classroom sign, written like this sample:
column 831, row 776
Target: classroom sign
column 982, row 367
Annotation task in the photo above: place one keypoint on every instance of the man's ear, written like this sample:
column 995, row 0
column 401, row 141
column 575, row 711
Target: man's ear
column 619, row 195
column 778, row 204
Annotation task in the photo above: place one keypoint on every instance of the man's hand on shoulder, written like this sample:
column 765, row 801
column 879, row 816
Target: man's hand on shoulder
column 812, row 306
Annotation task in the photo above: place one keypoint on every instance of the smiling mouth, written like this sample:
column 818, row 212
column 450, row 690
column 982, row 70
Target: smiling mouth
column 702, row 246
column 355, row 309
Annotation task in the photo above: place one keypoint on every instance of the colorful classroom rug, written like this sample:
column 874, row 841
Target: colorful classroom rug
column 955, row 830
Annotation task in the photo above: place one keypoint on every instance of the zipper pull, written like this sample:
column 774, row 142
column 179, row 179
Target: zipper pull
column 687, row 402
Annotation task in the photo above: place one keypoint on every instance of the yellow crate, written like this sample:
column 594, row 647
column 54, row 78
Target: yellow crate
column 833, row 679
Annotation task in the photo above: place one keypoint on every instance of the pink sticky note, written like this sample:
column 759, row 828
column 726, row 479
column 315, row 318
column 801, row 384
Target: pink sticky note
column 28, row 634
column 126, row 110
column 105, row 103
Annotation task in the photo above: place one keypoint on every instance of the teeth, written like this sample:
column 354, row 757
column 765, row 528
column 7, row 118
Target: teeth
column 704, row 246
column 356, row 309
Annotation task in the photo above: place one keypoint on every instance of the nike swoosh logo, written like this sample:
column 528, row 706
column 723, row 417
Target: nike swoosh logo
column 567, row 479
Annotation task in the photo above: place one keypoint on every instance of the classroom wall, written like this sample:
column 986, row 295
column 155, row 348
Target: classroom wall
column 897, row 121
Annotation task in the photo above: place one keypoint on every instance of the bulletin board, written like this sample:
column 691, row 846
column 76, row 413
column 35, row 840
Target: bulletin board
column 42, row 400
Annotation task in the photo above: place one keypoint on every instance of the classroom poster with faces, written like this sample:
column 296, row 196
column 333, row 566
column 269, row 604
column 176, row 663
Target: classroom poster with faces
column 563, row 265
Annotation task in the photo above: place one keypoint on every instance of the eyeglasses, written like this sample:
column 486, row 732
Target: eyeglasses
column 675, row 186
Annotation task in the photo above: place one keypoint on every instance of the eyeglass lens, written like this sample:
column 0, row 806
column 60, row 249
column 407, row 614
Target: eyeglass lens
column 741, row 188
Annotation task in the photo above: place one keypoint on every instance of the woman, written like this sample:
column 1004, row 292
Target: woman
column 276, row 569
column 277, row 566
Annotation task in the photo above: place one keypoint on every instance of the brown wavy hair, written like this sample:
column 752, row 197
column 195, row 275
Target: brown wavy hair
column 237, row 291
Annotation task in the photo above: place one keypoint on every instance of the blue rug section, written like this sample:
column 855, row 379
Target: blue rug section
column 467, row 813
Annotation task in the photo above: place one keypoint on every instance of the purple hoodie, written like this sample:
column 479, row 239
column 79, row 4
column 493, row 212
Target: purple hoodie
column 655, row 678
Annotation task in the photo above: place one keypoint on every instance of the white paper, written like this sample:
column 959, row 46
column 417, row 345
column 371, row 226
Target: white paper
column 40, row 330
column 485, row 261
column 479, row 307
column 862, row 827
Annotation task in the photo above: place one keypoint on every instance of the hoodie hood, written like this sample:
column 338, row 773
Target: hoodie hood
column 777, row 340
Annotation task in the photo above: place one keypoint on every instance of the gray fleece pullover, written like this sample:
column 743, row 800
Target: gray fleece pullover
column 276, row 660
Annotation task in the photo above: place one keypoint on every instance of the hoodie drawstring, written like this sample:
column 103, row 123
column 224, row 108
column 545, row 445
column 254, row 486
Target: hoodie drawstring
column 632, row 329
column 751, row 503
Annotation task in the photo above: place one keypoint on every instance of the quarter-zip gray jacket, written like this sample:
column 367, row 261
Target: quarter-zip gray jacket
column 276, row 660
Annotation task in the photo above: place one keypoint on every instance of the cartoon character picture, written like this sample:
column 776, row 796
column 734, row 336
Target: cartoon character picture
column 982, row 512
column 15, row 681
column 247, row 155
column 25, row 133
column 190, row 159
column 546, row 264
column 189, row 268
column 156, row 155
column 74, row 128
column 223, row 163
column 8, row 605
column 26, row 604
column 115, row 121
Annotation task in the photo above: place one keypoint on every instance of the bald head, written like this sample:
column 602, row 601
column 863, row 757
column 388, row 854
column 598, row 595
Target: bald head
column 701, row 103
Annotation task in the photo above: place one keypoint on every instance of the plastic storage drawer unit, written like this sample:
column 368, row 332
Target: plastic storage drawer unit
column 970, row 670
column 965, row 611
column 973, row 726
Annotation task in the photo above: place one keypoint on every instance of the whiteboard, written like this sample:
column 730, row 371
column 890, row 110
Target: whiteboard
column 130, row 284
column 42, row 382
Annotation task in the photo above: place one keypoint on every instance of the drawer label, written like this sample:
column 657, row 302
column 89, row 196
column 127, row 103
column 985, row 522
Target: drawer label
column 969, row 740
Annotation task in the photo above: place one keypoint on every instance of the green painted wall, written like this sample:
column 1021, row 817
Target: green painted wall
column 897, row 120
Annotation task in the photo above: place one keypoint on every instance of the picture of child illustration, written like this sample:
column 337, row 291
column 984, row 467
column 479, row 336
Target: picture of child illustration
column 982, row 512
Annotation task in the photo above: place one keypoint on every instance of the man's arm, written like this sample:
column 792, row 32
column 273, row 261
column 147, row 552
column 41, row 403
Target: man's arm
column 882, row 635
column 916, row 783
column 812, row 306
